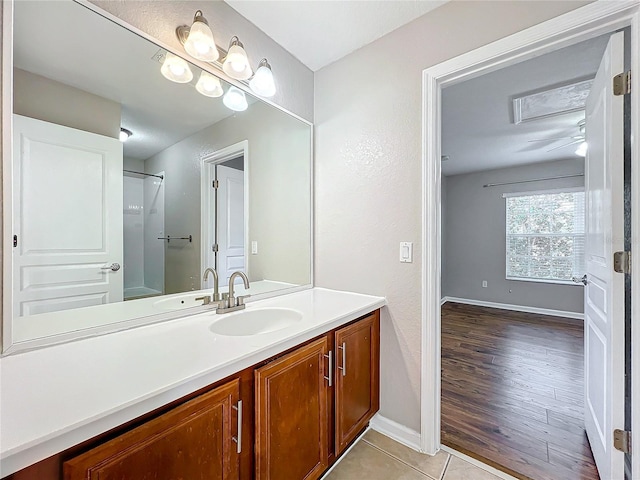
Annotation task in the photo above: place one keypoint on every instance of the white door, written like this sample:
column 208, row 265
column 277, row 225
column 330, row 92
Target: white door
column 604, row 291
column 230, row 210
column 67, row 217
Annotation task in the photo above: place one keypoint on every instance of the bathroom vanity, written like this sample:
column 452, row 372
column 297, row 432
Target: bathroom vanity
column 178, row 397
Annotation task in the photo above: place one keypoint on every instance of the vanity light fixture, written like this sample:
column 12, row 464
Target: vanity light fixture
column 581, row 151
column 262, row 82
column 125, row 134
column 209, row 85
column 236, row 63
column 235, row 99
column 176, row 69
column 198, row 39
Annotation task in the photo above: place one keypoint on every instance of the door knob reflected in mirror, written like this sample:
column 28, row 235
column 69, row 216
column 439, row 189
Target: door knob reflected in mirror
column 582, row 279
column 114, row 267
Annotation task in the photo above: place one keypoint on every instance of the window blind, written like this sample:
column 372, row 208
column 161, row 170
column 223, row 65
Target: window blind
column 545, row 236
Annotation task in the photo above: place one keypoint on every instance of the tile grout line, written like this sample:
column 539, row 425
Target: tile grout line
column 399, row 460
column 446, row 466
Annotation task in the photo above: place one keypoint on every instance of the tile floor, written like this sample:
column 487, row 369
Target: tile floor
column 377, row 457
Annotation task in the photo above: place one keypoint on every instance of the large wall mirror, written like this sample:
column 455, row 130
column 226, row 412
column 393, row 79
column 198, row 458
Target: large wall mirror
column 107, row 231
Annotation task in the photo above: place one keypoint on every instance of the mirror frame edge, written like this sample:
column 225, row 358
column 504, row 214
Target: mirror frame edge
column 6, row 77
column 7, row 175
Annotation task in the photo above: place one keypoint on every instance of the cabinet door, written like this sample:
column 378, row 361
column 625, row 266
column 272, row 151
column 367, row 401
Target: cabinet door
column 357, row 384
column 195, row 441
column 292, row 415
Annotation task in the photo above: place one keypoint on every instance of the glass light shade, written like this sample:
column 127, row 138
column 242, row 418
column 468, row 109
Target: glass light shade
column 200, row 43
column 262, row 82
column 581, row 151
column 236, row 63
column 176, row 69
column 209, row 86
column 125, row 134
column 235, row 100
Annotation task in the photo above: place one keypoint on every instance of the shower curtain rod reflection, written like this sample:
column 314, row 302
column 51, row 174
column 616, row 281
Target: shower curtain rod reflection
column 161, row 177
column 533, row 180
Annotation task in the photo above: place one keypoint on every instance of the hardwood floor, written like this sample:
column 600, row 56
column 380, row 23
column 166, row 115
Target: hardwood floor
column 512, row 392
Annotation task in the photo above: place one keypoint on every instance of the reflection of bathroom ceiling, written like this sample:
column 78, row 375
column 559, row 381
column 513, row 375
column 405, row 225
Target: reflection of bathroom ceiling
column 75, row 46
column 320, row 32
column 478, row 130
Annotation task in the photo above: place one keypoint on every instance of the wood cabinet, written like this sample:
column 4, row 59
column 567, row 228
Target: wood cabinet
column 292, row 414
column 300, row 411
column 294, row 398
column 197, row 440
column 357, row 378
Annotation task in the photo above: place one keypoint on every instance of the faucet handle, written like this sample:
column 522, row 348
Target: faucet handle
column 206, row 299
column 240, row 299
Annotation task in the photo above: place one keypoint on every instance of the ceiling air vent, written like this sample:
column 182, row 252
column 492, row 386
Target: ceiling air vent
column 548, row 103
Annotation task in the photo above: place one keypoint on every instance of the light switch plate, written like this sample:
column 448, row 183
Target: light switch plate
column 406, row 252
column 254, row 248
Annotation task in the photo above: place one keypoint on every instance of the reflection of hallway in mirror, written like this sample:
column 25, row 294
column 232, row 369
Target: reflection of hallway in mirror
column 230, row 218
column 143, row 223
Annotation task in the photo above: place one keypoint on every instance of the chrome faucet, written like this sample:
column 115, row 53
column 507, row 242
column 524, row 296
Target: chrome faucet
column 215, row 298
column 229, row 302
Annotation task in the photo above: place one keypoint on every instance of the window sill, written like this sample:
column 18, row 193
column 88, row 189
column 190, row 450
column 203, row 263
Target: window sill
column 545, row 280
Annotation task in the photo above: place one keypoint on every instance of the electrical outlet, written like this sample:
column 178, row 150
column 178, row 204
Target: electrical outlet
column 485, row 284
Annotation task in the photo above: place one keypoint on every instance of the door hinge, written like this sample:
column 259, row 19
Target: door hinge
column 214, row 247
column 622, row 83
column 215, row 184
column 15, row 240
column 622, row 262
column 622, row 440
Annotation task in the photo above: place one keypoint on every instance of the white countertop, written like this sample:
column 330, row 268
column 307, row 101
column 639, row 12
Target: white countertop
column 59, row 396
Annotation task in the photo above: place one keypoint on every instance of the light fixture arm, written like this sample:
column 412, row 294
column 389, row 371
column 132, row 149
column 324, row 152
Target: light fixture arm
column 264, row 63
column 235, row 41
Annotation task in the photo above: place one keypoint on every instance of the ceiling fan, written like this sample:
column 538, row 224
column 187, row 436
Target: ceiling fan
column 573, row 139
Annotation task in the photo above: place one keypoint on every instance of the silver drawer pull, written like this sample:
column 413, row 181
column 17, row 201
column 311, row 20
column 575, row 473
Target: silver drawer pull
column 114, row 267
column 344, row 359
column 330, row 377
column 238, row 439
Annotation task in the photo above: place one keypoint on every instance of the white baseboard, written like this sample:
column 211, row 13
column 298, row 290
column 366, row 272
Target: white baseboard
column 515, row 308
column 396, row 431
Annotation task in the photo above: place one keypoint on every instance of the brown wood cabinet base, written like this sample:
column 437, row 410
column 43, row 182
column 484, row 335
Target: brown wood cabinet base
column 293, row 422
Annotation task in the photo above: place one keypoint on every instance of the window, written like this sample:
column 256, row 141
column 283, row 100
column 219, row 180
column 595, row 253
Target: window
column 545, row 236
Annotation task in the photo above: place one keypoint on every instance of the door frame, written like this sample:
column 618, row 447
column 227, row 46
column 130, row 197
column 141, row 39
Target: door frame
column 207, row 161
column 581, row 24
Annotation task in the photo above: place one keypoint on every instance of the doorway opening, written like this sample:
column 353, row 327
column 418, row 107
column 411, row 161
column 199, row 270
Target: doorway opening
column 589, row 23
column 225, row 207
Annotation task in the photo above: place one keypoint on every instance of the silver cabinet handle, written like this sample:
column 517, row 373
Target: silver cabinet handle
column 344, row 359
column 330, row 377
column 238, row 439
column 582, row 279
column 114, row 267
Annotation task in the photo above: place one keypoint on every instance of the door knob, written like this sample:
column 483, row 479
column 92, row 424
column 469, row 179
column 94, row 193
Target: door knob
column 582, row 279
column 114, row 267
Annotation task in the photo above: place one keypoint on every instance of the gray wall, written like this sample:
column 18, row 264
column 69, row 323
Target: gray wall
column 368, row 171
column 159, row 18
column 474, row 227
column 279, row 195
column 53, row 101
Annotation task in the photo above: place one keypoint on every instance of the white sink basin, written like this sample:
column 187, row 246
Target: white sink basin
column 255, row 322
column 179, row 302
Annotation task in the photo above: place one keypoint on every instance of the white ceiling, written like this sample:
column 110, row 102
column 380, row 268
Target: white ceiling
column 117, row 64
column 320, row 32
column 478, row 132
